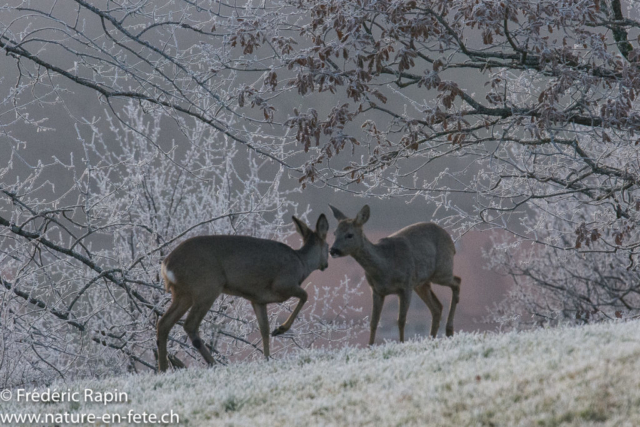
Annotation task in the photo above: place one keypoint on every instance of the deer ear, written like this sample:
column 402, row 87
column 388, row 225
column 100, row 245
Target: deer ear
column 363, row 215
column 322, row 227
column 301, row 227
column 337, row 214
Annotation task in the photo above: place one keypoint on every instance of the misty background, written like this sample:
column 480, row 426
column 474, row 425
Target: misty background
column 481, row 288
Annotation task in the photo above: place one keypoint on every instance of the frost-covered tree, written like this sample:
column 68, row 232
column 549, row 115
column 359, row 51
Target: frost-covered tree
column 80, row 290
column 556, row 283
column 502, row 114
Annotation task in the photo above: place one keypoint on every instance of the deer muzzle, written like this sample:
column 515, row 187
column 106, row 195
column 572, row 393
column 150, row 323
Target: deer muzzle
column 335, row 253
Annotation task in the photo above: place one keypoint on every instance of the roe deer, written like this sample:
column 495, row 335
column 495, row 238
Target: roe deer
column 408, row 260
column 262, row 271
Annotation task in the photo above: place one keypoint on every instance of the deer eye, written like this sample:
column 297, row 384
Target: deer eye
column 349, row 236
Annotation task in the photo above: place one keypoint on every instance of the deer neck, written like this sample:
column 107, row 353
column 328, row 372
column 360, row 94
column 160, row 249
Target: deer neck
column 370, row 258
column 308, row 259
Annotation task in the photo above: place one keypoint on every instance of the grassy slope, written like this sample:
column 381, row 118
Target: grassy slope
column 568, row 376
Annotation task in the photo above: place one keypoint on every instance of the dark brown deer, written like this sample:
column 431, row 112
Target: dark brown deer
column 259, row 270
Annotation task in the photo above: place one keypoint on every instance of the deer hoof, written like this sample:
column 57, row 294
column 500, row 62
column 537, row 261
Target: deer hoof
column 279, row 330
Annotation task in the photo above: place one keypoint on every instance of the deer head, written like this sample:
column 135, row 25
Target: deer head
column 349, row 234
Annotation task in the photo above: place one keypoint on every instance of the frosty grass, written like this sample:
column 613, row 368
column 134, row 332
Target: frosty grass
column 587, row 375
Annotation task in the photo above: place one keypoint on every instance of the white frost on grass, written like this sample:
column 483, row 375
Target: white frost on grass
column 567, row 376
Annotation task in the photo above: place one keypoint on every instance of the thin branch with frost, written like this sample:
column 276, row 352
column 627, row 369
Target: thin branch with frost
column 83, row 264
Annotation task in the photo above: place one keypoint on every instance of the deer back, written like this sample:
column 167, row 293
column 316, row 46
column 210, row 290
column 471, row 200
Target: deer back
column 241, row 263
column 429, row 246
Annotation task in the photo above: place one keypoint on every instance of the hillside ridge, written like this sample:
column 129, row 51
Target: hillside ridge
column 587, row 375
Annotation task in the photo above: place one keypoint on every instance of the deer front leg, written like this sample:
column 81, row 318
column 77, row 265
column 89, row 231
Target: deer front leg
column 263, row 324
column 404, row 298
column 378, row 301
column 301, row 294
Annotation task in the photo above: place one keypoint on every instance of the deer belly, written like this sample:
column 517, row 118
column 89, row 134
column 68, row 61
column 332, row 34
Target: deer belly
column 258, row 293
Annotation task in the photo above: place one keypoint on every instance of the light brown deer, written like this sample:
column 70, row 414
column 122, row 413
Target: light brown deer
column 406, row 261
column 259, row 270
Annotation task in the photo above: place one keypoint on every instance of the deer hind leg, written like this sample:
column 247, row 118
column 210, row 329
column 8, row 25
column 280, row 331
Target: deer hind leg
column 176, row 310
column 199, row 309
column 455, row 299
column 378, row 301
column 404, row 302
column 301, row 294
column 454, row 284
column 434, row 305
